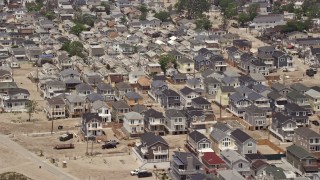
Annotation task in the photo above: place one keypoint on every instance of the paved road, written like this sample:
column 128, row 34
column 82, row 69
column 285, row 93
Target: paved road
column 6, row 142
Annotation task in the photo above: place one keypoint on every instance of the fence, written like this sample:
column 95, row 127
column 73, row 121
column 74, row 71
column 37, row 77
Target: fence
column 270, row 144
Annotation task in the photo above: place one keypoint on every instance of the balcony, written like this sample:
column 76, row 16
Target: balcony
column 288, row 128
column 144, row 150
column 160, row 152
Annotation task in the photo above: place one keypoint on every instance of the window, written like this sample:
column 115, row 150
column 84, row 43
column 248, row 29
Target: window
column 304, row 113
column 132, row 122
column 240, row 165
column 250, row 144
column 297, row 113
column 249, row 151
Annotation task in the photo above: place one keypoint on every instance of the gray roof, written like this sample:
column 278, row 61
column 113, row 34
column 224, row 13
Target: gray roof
column 222, row 126
column 307, row 132
column 232, row 156
column 103, row 86
column 94, row 97
column 254, row 109
column 86, row 117
column 120, row 105
column 133, row 115
column 274, row 95
column 139, row 108
column 196, row 136
column 278, row 87
column 193, row 81
column 211, row 80
column 313, row 93
column 227, row 89
column 170, row 92
column 236, row 97
column 174, row 113
column 75, row 98
column 99, row 104
column 14, row 91
column 299, row 87
column 200, row 101
column 83, row 87
column 55, row 100
column 186, row 91
column 218, row 134
column 185, row 60
column 294, row 107
column 158, row 83
column 295, row 95
column 153, row 113
column 182, row 156
column 67, row 72
column 150, row 138
column 133, row 95
column 268, row 18
column 55, row 83
column 230, row 174
column 254, row 96
column 229, row 80
column 240, row 136
column 299, row 151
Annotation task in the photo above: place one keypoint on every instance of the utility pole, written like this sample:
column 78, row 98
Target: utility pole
column 220, row 108
column 52, row 121
column 91, row 147
column 87, row 145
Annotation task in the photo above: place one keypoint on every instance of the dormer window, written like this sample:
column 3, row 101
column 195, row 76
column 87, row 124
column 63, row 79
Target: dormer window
column 297, row 113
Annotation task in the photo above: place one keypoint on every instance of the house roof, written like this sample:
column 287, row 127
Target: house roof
column 278, row 87
column 232, row 156
column 212, row 158
column 14, row 91
column 174, row 113
column 120, row 105
column 133, row 115
column 144, row 81
column 184, row 60
column 123, row 85
column 150, row 138
column 313, row 93
column 170, row 92
column 276, row 172
column 55, row 100
column 227, row 89
column 103, row 86
column 294, row 107
column 230, row 174
column 67, row 72
column 139, row 108
column 268, row 18
column 94, row 97
column 179, row 76
column 83, row 87
column 255, row 156
column 8, row 85
column 274, row 95
column 193, row 81
column 99, row 104
column 197, row 136
column 280, row 117
column 222, row 126
column 200, row 100
column 218, row 134
column 86, row 117
column 299, row 87
column 133, row 95
column 75, row 98
column 240, row 136
column 295, row 95
column 182, row 156
column 298, row 151
column 254, row 109
column 153, row 113
column 186, row 90
column 55, row 83
column 211, row 80
column 159, row 77
column 306, row 132
column 259, row 164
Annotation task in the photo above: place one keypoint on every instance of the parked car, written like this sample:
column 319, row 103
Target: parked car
column 66, row 137
column 109, row 146
column 112, row 141
column 143, row 174
column 136, row 171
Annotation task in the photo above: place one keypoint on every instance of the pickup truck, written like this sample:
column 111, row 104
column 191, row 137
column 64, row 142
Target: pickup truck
column 64, row 146
column 66, row 137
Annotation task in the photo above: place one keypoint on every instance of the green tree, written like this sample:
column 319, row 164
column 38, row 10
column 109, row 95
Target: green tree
column 123, row 20
column 163, row 16
column 77, row 29
column 31, row 108
column 166, row 61
column 288, row 7
column 253, row 10
column 50, row 15
column 76, row 49
column 106, row 7
column 296, row 26
column 144, row 12
column 65, row 46
column 231, row 10
column 193, row 8
column 243, row 18
column 203, row 23
column 224, row 4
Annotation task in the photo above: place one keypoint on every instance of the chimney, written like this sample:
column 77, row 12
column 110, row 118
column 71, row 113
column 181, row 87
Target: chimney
column 190, row 162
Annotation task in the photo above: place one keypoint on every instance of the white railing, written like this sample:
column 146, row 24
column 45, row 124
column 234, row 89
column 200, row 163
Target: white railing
column 160, row 152
column 144, row 150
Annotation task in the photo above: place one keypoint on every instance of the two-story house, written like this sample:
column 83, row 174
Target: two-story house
column 282, row 60
column 76, row 105
column 156, row 89
column 154, row 122
column 91, row 125
column 301, row 159
column 119, row 108
column 84, row 89
column 170, row 99
column 102, row 109
column 175, row 122
column 187, row 94
column 283, row 126
column 211, row 86
column 185, row 65
column 237, row 104
column 184, row 164
column 133, row 98
column 133, row 123
column 245, row 143
column 221, row 138
column 55, row 108
column 153, row 148
column 236, row 162
column 268, row 21
column 298, row 114
column 280, row 88
column 198, row 142
column 300, row 99
column 53, row 88
column 70, row 77
column 16, row 100
column 121, row 89
column 307, row 139
column 256, row 117
column 218, row 63
column 106, row 90
column 314, row 99
column 277, row 101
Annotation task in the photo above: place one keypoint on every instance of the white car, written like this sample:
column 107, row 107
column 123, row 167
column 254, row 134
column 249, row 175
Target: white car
column 136, row 171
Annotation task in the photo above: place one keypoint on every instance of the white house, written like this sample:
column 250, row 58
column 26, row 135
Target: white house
column 91, row 124
column 268, row 21
column 102, row 109
column 133, row 123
